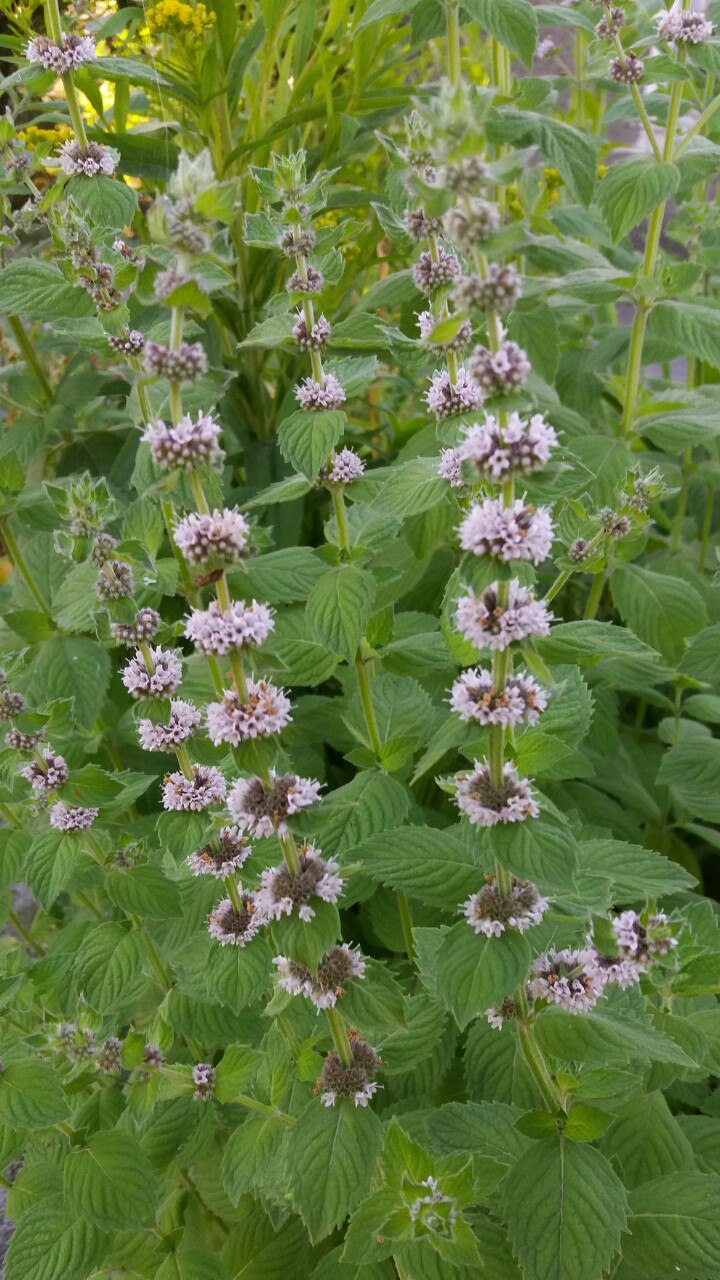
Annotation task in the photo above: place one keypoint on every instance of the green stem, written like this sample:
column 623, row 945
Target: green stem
column 17, row 924
column 198, row 493
column 453, row 36
column 161, row 972
column 405, row 912
column 184, row 761
column 341, row 516
column 30, row 358
column 367, row 705
column 557, row 585
column 339, row 1034
column 549, row 1091
column 233, row 894
column 290, row 853
column 16, row 555
column 595, row 595
column 706, row 524
column 699, row 125
column 76, row 115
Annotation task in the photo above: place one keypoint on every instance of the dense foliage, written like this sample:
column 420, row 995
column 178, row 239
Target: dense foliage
column 361, row 641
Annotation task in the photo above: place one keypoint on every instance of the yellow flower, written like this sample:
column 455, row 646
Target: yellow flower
column 514, row 205
column 602, row 170
column 190, row 19
column 552, row 179
column 34, row 135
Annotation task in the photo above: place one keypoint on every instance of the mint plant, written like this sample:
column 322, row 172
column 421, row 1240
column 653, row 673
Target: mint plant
column 359, row 641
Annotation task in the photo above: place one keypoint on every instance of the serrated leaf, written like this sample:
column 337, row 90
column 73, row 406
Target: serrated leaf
column 596, row 1037
column 536, row 851
column 236, row 976
column 332, row 1152
column 631, row 189
column 338, row 609
column 372, row 802
column 144, row 891
column 565, row 1210
column 692, row 770
column 73, row 667
column 433, row 865
column 675, row 1227
column 646, row 1142
column 655, row 609
column 512, row 22
column 49, row 1243
column 106, row 202
column 51, row 863
column 475, row 972
column 588, row 641
column 109, row 966
column 307, row 439
column 110, row 1181
column 38, row 291
column 30, row 1095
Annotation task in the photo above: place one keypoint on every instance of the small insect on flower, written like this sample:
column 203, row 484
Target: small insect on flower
column 487, row 623
column 283, row 891
column 206, row 787
column 262, row 809
column 355, row 1082
column 223, row 856
column 219, row 632
column 485, row 804
column 490, row 911
column 234, row 926
column 518, row 532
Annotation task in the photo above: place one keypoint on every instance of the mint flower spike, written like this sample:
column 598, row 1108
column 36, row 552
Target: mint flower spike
column 263, row 807
column 491, row 911
column 314, row 395
column 517, row 532
column 219, row 631
column 72, row 52
column 66, row 818
column 356, row 1081
column 205, row 788
column 225, row 854
column 47, row 772
column 183, row 722
column 158, row 679
column 87, row 161
column 488, row 623
column 485, row 804
column 212, row 535
column 234, row 924
column 474, row 697
column 324, row 987
column 260, row 713
column 283, row 891
column 447, row 397
column 186, row 444
column 566, row 978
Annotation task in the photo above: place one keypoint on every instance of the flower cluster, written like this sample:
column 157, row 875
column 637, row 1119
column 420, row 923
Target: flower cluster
column 486, row 803
column 491, row 911
column 494, row 619
column 86, row 161
column 259, row 713
column 323, row 987
column 474, row 697
column 283, row 891
column 219, row 631
column 187, row 444
column 73, row 51
column 220, row 536
column 356, row 1081
column 517, row 532
column 500, row 372
column 684, row 27
column 263, row 807
column 517, row 446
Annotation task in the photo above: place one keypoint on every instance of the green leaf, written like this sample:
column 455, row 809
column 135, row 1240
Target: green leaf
column 30, row 1095
column 248, row 1153
column 536, row 851
column 675, row 1227
column 475, row 972
column 565, row 1210
column 192, row 1264
column 51, row 864
column 588, row 641
column 332, row 1152
column 635, row 872
column 237, row 976
column 110, row 1181
column 50, row 1243
column 108, row 968
column 572, row 153
column 433, row 865
column 597, row 1037
column 307, row 439
column 646, row 1142
column 512, row 22
column 259, row 1249
column 688, row 328
column 144, row 891
column 631, row 189
column 73, row 667
column 380, row 9
column 36, row 290
column 692, row 770
column 281, row 577
column 657, row 608
column 106, row 202
column 338, row 609
column 372, row 802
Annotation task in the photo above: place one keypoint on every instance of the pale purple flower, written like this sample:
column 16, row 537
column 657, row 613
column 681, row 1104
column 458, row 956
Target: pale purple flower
column 521, row 446
column 354, row 1082
column 618, row 969
column 217, row 631
column 328, row 394
column 296, row 240
column 446, row 399
column 86, row 161
column 431, row 273
column 182, row 365
column 49, row 775
column 26, row 742
column 518, row 532
column 563, row 978
column 463, row 176
column 166, row 282
column 225, row 854
column 309, row 282
column 214, row 535
column 188, row 444
column 108, row 1059
column 283, row 892
column 342, row 468
column 471, row 223
column 129, row 342
column 145, row 627
column 684, row 27
column 610, row 24
column 644, row 937
column 315, row 339
column 494, row 294
column 74, row 51
column 485, row 804
column 474, row 697
column 233, row 928
column 421, row 226
column 204, row 1080
column 65, row 818
column 206, row 787
column 427, row 322
column 114, row 581
column 491, row 912
column 183, row 721
column 262, row 810
column 502, row 372
column 498, row 1014
column 450, row 467
column 627, row 70
column 486, row 623
column 159, row 682
column 264, row 712
column 10, row 705
column 340, row 965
